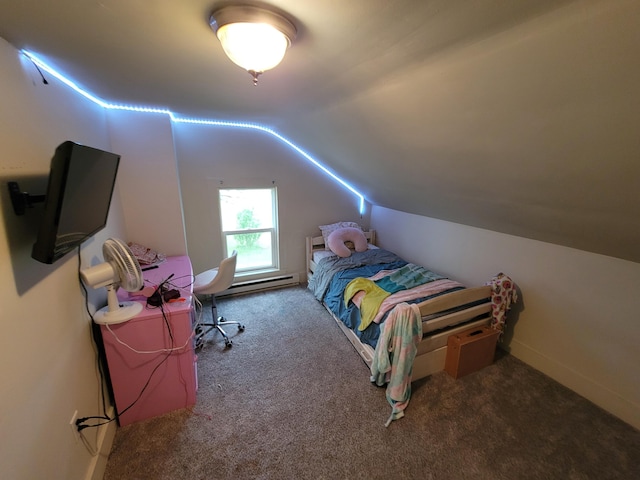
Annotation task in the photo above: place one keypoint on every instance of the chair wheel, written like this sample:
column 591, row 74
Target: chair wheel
column 241, row 328
column 228, row 344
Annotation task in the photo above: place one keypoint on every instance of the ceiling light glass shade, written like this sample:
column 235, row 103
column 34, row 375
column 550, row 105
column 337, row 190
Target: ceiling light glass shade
column 253, row 46
column 254, row 38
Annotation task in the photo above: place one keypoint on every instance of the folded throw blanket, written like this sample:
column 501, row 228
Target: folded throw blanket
column 395, row 352
column 409, row 276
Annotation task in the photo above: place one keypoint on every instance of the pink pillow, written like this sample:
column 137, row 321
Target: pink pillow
column 327, row 229
column 338, row 238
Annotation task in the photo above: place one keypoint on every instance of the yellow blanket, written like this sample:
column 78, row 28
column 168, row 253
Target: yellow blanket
column 374, row 295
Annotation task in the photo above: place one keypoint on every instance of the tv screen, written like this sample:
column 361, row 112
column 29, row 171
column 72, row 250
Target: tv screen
column 81, row 182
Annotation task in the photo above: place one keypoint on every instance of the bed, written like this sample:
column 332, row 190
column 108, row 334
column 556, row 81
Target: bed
column 446, row 307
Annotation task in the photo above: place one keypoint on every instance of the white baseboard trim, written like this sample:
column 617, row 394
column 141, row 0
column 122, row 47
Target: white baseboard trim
column 106, row 434
column 260, row 284
column 607, row 399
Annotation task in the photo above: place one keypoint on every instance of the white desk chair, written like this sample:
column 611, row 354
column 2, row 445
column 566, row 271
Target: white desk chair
column 211, row 282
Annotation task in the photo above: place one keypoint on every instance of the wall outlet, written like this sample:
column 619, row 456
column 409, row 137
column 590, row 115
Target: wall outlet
column 74, row 427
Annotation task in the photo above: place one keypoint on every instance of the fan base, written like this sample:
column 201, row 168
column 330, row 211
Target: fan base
column 125, row 312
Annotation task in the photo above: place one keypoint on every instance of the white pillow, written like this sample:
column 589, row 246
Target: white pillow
column 327, row 229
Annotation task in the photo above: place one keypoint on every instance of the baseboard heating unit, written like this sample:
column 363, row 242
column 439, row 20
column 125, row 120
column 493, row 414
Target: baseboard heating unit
column 262, row 284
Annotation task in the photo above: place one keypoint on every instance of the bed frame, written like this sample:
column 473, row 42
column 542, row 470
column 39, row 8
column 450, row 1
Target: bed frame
column 441, row 317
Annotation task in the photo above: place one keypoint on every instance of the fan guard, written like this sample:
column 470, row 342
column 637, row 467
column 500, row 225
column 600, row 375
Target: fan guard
column 120, row 269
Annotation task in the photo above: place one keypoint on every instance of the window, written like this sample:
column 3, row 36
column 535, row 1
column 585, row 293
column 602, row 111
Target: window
column 250, row 226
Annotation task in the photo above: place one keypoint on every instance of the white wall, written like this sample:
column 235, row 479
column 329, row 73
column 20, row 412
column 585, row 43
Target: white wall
column 210, row 157
column 577, row 320
column 48, row 363
column 47, row 358
column 148, row 179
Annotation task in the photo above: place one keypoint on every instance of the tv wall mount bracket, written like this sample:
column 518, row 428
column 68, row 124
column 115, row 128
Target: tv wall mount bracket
column 22, row 200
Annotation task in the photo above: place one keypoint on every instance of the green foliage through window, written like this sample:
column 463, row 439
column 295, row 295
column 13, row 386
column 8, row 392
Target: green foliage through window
column 247, row 221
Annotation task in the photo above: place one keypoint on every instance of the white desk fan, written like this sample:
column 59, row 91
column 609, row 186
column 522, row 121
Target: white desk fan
column 120, row 269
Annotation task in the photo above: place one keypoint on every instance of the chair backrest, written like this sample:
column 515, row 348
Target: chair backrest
column 224, row 278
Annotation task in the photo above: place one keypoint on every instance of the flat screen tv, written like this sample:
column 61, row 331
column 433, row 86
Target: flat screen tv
column 76, row 205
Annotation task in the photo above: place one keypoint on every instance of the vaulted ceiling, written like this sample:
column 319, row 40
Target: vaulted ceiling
column 517, row 116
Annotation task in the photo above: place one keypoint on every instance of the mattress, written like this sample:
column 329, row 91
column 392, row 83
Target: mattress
column 334, row 274
column 320, row 254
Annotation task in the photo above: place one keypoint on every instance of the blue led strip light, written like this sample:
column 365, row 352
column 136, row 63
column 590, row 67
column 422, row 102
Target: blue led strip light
column 174, row 118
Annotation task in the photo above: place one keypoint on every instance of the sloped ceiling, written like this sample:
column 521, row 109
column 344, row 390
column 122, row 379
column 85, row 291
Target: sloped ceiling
column 517, row 116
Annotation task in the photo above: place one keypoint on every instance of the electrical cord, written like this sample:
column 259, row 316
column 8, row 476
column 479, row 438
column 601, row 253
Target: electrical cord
column 105, row 419
column 161, row 350
column 94, row 342
column 80, row 421
column 44, row 80
column 167, row 324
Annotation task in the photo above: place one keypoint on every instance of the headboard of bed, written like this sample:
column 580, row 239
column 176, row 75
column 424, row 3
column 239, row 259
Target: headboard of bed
column 317, row 243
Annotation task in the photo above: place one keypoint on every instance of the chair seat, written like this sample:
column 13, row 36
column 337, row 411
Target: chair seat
column 203, row 280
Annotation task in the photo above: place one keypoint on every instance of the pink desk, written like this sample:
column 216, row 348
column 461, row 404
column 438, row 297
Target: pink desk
column 159, row 350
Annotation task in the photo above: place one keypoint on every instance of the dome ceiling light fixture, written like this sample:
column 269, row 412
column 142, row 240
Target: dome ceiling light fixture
column 254, row 38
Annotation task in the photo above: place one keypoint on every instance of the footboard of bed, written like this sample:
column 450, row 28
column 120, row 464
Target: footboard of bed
column 432, row 350
column 432, row 354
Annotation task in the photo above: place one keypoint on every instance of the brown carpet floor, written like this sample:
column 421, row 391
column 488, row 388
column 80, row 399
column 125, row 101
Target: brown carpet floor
column 292, row 400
